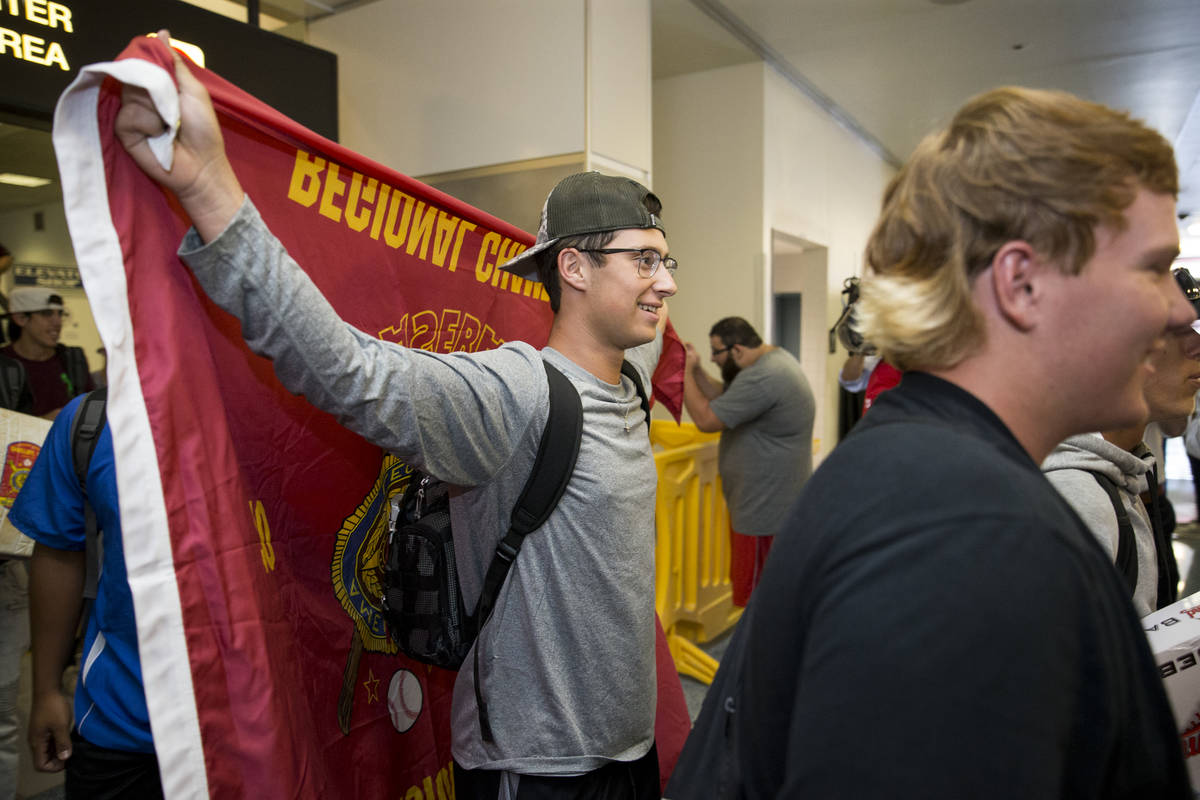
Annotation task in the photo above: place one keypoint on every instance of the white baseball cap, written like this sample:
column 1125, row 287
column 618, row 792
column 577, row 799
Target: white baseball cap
column 27, row 299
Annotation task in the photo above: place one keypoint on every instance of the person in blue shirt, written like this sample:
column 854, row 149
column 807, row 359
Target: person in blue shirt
column 109, row 752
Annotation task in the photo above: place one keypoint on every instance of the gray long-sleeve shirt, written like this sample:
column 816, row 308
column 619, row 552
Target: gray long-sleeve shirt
column 567, row 661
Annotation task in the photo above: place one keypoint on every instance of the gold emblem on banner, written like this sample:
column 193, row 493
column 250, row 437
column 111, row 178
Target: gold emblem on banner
column 357, row 570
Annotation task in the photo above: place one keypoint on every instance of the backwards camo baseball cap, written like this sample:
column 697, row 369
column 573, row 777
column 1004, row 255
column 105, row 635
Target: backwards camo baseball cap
column 588, row 202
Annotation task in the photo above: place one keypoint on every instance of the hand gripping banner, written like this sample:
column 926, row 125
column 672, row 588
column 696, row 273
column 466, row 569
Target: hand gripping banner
column 253, row 522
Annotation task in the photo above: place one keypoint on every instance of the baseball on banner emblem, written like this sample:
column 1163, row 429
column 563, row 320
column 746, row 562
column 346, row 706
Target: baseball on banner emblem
column 405, row 699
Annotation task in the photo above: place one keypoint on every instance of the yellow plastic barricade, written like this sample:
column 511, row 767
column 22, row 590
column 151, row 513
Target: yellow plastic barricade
column 692, row 586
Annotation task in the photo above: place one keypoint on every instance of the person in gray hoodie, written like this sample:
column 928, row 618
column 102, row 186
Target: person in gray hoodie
column 1098, row 473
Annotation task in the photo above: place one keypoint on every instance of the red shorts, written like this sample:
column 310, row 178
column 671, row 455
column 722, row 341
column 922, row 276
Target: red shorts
column 746, row 564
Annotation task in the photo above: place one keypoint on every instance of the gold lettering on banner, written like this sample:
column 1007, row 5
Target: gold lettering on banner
column 449, row 330
column 486, row 263
column 355, row 217
column 264, row 534
column 334, row 189
column 434, row 787
column 421, row 229
column 393, row 234
column 305, row 185
column 454, row 330
column 424, row 330
column 365, row 205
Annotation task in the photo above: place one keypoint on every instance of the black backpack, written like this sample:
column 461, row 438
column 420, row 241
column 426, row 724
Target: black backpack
column 75, row 367
column 91, row 415
column 422, row 599
column 1125, row 559
column 15, row 394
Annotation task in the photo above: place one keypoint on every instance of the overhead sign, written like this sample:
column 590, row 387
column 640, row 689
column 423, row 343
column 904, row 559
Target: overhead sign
column 35, row 49
column 48, row 275
column 43, row 44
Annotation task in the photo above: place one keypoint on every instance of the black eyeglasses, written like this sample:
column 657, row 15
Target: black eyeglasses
column 1191, row 289
column 648, row 260
column 722, row 350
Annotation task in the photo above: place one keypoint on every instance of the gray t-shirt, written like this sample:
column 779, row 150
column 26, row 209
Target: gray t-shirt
column 568, row 658
column 765, row 454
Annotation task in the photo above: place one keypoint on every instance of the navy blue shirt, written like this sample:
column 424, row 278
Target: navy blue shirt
column 936, row 622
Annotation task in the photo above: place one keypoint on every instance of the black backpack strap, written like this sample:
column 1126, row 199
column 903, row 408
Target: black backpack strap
column 12, row 383
column 548, row 479
column 1168, row 569
column 630, row 372
column 75, row 367
column 90, row 418
column 1126, row 559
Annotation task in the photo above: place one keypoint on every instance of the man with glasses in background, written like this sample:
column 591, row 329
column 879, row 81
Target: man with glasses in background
column 764, row 409
column 55, row 372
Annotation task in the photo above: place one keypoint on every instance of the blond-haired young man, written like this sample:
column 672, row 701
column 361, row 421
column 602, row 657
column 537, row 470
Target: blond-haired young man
column 946, row 626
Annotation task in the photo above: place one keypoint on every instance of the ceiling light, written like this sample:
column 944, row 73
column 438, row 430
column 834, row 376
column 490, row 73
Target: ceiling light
column 22, row 180
column 187, row 48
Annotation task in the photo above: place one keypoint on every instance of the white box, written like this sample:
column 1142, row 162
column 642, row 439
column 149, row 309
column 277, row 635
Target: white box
column 1174, row 636
column 21, row 438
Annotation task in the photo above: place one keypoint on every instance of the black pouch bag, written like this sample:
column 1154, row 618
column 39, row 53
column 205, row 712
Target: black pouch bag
column 422, row 598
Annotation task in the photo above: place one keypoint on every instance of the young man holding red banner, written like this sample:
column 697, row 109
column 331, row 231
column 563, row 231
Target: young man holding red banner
column 567, row 662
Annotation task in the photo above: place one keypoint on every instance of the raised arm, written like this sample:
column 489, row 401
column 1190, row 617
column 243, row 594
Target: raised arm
column 199, row 174
column 698, row 389
column 377, row 389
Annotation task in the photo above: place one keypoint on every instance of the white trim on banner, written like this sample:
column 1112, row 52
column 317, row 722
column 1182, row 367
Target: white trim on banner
column 166, row 670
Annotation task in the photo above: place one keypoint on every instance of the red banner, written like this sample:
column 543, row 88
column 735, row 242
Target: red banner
column 253, row 522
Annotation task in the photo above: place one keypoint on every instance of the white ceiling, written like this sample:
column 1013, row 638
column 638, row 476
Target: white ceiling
column 897, row 69
column 892, row 70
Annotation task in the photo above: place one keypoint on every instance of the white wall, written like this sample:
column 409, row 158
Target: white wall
column 822, row 185
column 806, row 272
column 51, row 245
column 740, row 154
column 708, row 167
column 436, row 86
column 620, row 113
column 430, row 86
